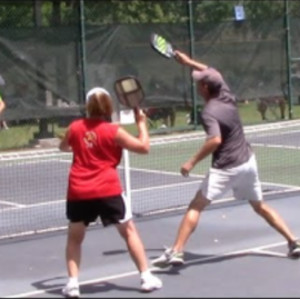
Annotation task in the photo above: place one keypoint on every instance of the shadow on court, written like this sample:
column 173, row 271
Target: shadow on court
column 233, row 253
column 52, row 287
column 86, row 290
column 192, row 260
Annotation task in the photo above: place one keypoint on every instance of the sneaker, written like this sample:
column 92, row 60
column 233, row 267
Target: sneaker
column 150, row 283
column 71, row 291
column 294, row 249
column 169, row 258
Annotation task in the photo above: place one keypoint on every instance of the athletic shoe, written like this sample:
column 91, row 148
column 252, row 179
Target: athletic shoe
column 150, row 283
column 169, row 258
column 294, row 249
column 71, row 291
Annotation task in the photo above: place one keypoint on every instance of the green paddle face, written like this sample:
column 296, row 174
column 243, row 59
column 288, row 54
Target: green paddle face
column 161, row 45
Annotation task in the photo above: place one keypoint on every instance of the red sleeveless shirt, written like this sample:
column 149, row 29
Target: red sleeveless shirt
column 96, row 155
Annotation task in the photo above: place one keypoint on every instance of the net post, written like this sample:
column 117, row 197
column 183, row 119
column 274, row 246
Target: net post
column 125, row 117
column 127, row 174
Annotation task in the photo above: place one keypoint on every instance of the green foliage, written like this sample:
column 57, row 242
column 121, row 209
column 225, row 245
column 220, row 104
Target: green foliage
column 211, row 11
column 16, row 14
column 258, row 9
column 135, row 11
column 19, row 13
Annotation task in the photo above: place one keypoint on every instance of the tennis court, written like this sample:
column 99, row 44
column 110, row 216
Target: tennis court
column 232, row 246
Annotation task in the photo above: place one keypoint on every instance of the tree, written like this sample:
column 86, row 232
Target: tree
column 18, row 13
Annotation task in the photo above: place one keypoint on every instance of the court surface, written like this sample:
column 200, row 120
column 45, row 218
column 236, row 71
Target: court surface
column 233, row 253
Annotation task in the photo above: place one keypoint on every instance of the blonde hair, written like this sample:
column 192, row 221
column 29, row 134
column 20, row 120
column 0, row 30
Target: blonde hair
column 99, row 104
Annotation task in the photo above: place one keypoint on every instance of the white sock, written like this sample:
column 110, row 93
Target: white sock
column 73, row 281
column 146, row 274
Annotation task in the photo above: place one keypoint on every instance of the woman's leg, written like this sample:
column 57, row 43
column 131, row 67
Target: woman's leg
column 76, row 233
column 134, row 244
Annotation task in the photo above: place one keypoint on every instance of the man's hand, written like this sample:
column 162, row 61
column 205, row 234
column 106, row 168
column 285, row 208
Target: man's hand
column 186, row 168
column 182, row 57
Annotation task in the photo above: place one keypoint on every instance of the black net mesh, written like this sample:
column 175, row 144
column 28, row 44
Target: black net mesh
column 51, row 52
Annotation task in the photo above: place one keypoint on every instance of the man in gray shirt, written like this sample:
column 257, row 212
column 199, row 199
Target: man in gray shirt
column 220, row 118
column 233, row 166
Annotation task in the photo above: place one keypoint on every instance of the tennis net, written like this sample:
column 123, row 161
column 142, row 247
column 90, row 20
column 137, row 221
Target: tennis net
column 34, row 183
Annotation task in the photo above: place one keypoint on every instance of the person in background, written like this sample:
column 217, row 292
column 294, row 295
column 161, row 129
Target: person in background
column 234, row 165
column 94, row 188
column 3, row 124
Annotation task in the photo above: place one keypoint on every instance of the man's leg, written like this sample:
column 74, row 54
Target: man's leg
column 216, row 183
column 276, row 221
column 174, row 255
column 190, row 221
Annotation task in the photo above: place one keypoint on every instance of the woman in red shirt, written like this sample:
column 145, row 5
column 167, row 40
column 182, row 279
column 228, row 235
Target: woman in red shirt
column 94, row 187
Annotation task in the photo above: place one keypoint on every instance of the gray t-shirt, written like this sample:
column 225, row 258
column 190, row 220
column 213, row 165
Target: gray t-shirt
column 220, row 117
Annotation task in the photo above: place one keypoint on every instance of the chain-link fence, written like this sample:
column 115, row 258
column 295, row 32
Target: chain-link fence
column 51, row 52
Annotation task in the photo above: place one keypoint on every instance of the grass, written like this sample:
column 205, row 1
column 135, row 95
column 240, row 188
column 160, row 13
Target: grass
column 24, row 136
column 17, row 136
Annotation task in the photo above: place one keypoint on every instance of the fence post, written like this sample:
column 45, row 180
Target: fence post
column 82, row 52
column 288, row 55
column 192, row 54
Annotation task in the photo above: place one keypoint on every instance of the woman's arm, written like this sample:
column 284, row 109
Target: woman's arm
column 64, row 144
column 140, row 144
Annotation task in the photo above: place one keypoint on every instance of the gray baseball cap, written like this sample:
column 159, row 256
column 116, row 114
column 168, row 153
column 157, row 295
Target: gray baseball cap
column 209, row 76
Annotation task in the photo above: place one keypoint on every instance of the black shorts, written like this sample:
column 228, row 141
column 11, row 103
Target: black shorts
column 111, row 210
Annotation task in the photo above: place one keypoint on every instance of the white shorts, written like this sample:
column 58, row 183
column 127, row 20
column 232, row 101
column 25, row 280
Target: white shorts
column 243, row 180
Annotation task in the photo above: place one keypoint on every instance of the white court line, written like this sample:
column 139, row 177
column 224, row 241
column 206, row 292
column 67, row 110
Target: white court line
column 270, row 253
column 217, row 201
column 177, row 173
column 37, row 153
column 287, row 188
column 247, row 129
column 259, row 249
column 34, row 232
column 280, row 146
column 165, row 186
column 17, row 206
column 285, row 131
column 64, row 200
column 35, row 205
column 156, row 212
column 200, row 176
column 9, row 203
column 61, row 201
